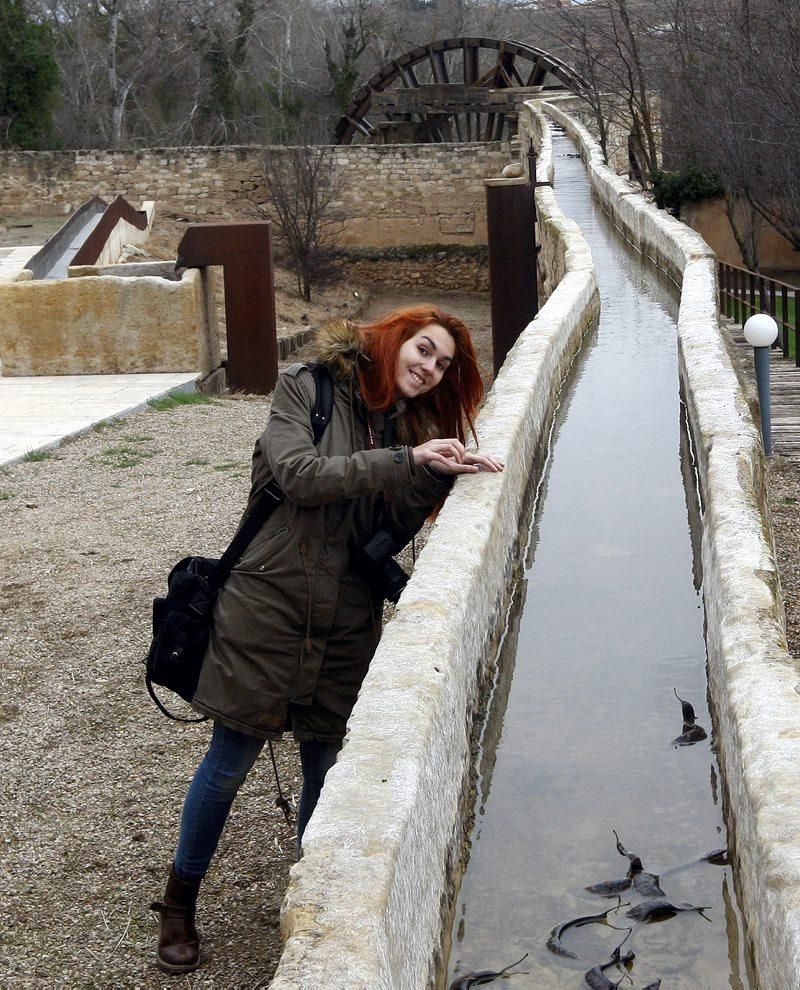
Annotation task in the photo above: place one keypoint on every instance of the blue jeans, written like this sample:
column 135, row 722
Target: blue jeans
column 216, row 783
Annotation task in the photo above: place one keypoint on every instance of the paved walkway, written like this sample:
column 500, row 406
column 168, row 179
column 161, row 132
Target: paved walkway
column 14, row 259
column 38, row 413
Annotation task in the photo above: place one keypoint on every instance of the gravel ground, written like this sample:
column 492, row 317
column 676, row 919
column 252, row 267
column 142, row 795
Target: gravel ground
column 784, row 501
column 783, row 494
column 93, row 775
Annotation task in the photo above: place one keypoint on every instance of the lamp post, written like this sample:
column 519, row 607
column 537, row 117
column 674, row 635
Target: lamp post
column 761, row 331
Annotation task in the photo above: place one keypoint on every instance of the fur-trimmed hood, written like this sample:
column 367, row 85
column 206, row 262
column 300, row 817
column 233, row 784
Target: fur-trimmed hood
column 338, row 345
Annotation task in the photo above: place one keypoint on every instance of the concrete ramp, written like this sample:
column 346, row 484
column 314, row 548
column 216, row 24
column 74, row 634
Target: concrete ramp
column 94, row 234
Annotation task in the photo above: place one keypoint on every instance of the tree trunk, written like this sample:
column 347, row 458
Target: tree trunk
column 746, row 225
column 639, row 93
column 766, row 209
column 115, row 90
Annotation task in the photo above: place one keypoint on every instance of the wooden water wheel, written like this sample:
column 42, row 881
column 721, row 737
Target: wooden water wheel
column 459, row 89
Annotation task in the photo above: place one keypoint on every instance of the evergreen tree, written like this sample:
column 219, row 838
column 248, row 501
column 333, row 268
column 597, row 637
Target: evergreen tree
column 28, row 77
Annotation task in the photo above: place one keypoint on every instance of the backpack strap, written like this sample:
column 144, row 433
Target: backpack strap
column 271, row 495
column 269, row 498
column 323, row 399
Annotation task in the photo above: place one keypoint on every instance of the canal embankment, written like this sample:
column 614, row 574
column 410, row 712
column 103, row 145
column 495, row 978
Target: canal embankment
column 751, row 674
column 364, row 906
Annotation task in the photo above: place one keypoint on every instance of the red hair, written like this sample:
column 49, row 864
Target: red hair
column 452, row 403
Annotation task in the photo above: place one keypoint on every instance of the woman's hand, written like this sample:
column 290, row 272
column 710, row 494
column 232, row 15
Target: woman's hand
column 451, row 457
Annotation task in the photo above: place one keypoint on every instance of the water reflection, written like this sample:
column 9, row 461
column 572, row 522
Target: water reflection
column 609, row 623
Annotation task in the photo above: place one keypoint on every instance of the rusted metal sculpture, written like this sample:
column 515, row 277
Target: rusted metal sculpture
column 243, row 249
column 93, row 222
column 457, row 89
column 120, row 209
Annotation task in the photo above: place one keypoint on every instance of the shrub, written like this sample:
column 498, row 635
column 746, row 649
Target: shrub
column 672, row 189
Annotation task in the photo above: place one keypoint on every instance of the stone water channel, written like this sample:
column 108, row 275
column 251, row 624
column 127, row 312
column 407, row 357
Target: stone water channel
column 607, row 620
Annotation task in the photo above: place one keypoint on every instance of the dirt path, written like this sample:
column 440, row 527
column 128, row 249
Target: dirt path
column 93, row 776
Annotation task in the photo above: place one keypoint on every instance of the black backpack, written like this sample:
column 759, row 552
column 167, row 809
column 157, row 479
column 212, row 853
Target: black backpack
column 182, row 619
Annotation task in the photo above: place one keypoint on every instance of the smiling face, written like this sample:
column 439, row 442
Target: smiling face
column 422, row 360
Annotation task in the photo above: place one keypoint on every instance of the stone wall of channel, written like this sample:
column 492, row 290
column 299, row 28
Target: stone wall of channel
column 752, row 677
column 392, row 194
column 365, row 903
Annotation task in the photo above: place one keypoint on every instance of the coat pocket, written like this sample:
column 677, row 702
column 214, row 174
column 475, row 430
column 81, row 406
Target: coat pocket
column 262, row 548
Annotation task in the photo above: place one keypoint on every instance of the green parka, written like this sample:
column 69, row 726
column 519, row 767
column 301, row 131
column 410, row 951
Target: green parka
column 295, row 626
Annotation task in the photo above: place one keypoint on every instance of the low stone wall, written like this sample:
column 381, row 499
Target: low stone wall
column 390, row 194
column 445, row 269
column 104, row 324
column 364, row 905
column 751, row 674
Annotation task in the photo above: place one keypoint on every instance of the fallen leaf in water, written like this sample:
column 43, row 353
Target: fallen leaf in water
column 686, row 708
column 475, row 979
column 610, row 888
column 719, row 857
column 646, row 884
column 633, row 859
column 660, row 910
column 694, row 735
column 554, row 943
column 596, row 978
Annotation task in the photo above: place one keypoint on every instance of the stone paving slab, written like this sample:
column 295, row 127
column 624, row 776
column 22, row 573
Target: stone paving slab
column 41, row 412
column 14, row 259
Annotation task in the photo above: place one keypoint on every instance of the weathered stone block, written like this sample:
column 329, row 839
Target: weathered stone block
column 104, row 325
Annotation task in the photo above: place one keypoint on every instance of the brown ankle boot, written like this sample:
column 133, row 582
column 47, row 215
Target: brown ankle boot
column 178, row 941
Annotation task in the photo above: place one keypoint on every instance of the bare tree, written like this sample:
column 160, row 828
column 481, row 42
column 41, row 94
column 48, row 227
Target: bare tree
column 135, row 37
column 746, row 223
column 344, row 68
column 304, row 186
column 733, row 100
column 612, row 43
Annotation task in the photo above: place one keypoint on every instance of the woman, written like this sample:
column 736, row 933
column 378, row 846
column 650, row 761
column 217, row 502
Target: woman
column 298, row 620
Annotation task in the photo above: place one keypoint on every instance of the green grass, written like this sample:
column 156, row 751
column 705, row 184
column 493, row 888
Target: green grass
column 123, row 456
column 228, row 466
column 34, row 456
column 106, row 424
column 180, row 399
column 5, row 496
column 197, row 462
column 135, row 439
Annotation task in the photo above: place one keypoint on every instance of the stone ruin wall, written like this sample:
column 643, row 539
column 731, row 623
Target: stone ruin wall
column 447, row 269
column 391, row 195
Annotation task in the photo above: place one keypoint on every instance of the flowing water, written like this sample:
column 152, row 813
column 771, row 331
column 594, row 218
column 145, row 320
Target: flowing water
column 608, row 619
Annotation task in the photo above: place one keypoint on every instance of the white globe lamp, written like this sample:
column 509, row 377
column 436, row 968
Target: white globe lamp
column 760, row 330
